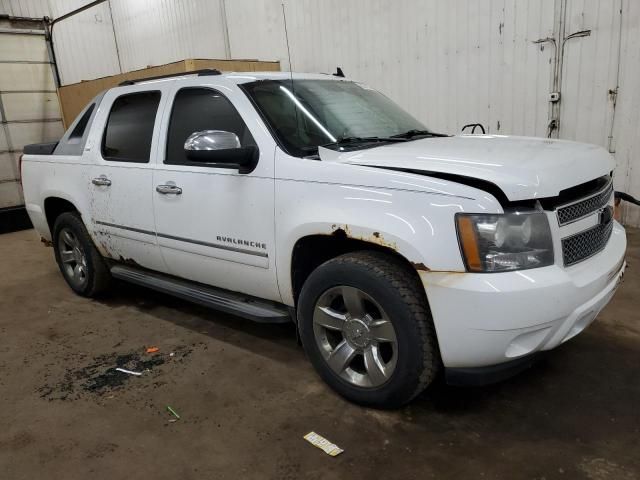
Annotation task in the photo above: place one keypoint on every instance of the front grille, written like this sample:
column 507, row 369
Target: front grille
column 580, row 209
column 586, row 244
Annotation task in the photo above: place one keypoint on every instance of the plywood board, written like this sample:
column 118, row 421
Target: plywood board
column 73, row 98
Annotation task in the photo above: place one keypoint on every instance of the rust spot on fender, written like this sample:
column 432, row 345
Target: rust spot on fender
column 428, row 270
column 339, row 232
column 420, row 266
column 47, row 243
column 344, row 231
column 379, row 239
column 128, row 261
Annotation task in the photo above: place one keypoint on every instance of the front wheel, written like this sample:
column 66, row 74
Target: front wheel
column 366, row 327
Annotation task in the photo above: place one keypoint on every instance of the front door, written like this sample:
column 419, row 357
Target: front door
column 214, row 224
column 120, row 179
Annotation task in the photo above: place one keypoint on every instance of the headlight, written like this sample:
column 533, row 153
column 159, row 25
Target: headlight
column 504, row 242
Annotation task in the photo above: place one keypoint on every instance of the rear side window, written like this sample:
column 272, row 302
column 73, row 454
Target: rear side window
column 199, row 109
column 78, row 131
column 127, row 136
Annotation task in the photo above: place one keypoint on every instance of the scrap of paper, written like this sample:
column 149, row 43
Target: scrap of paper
column 323, row 444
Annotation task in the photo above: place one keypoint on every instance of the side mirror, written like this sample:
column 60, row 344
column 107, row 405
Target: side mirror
column 219, row 146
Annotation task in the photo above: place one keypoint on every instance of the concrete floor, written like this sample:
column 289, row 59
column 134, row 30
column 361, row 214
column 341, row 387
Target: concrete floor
column 246, row 396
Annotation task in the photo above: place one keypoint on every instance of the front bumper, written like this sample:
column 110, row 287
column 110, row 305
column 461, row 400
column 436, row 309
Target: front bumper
column 480, row 376
column 489, row 319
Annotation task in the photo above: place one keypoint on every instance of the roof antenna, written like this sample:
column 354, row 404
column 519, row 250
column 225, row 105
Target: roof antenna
column 339, row 73
column 286, row 37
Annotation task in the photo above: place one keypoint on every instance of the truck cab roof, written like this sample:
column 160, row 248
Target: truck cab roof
column 236, row 78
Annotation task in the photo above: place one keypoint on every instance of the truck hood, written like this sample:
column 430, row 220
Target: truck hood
column 522, row 167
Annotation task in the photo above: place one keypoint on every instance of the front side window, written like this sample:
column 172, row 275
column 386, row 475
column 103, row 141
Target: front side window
column 305, row 114
column 199, row 109
column 127, row 136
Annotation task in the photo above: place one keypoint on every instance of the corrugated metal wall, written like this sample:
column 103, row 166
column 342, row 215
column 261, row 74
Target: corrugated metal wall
column 626, row 125
column 25, row 8
column 447, row 62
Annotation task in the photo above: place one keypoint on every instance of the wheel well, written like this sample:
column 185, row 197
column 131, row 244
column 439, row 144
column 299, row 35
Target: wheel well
column 54, row 206
column 312, row 251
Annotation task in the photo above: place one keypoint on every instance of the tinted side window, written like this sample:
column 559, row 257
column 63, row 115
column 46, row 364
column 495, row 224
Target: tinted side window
column 81, row 126
column 198, row 109
column 127, row 136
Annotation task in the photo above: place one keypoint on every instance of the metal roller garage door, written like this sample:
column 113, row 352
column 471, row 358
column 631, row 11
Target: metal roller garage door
column 29, row 110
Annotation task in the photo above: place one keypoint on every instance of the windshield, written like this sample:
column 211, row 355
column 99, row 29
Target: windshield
column 310, row 113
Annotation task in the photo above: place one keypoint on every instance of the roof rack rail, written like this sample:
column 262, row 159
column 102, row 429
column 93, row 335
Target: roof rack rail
column 199, row 73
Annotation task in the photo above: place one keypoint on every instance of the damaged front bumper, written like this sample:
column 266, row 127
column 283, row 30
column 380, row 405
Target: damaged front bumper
column 493, row 320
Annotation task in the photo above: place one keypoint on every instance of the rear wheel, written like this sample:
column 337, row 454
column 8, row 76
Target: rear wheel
column 366, row 327
column 79, row 261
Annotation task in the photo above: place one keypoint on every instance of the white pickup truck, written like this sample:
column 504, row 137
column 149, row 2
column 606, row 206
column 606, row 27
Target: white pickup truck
column 399, row 252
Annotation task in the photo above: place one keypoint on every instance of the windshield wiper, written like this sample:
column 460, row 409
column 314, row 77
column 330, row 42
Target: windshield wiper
column 409, row 134
column 357, row 140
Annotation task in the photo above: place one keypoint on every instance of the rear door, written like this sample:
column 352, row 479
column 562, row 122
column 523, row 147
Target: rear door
column 219, row 230
column 123, row 143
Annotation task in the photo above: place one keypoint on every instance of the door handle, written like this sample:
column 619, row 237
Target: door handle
column 101, row 181
column 169, row 190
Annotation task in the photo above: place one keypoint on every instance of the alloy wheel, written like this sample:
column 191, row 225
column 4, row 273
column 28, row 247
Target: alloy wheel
column 72, row 257
column 355, row 336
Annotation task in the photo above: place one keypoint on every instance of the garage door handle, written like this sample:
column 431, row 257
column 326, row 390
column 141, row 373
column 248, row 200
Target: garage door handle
column 101, row 181
column 169, row 190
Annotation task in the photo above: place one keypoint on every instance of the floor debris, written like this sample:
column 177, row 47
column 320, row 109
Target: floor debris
column 99, row 375
column 173, row 412
column 130, row 372
column 152, row 349
column 323, row 444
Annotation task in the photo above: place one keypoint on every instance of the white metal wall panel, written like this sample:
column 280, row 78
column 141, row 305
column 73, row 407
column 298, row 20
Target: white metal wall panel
column 15, row 76
column 28, row 105
column 8, row 167
column 10, row 194
column 589, row 71
column 25, row 8
column 626, row 131
column 85, row 43
column 4, row 145
column 29, row 48
column 26, row 133
column 153, row 32
column 448, row 63
column 23, row 105
column 256, row 30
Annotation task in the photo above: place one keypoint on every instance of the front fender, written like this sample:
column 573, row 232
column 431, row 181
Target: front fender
column 418, row 225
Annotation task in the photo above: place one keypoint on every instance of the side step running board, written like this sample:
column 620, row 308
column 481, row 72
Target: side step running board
column 235, row 303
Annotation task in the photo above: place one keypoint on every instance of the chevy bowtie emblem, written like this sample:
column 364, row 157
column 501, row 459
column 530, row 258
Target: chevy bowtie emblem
column 606, row 214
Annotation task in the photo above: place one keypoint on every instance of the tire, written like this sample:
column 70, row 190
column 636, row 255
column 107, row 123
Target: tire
column 80, row 263
column 396, row 364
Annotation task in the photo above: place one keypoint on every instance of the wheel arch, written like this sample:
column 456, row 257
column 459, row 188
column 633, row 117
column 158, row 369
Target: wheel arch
column 54, row 206
column 312, row 250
